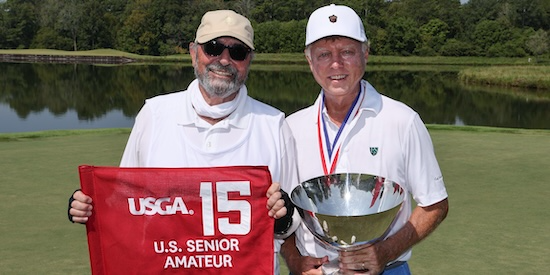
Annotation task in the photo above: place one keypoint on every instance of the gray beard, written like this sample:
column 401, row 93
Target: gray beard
column 219, row 88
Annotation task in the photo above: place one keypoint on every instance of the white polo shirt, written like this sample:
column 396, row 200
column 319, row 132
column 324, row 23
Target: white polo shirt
column 386, row 138
column 168, row 133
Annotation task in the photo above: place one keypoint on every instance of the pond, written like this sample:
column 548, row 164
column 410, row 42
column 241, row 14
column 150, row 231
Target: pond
column 36, row 97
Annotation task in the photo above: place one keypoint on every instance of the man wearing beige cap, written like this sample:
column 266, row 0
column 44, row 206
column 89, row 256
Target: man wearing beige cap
column 214, row 122
column 351, row 128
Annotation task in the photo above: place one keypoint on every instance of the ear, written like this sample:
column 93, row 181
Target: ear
column 309, row 60
column 193, row 52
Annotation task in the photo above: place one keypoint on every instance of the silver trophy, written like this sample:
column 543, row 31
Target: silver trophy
column 346, row 211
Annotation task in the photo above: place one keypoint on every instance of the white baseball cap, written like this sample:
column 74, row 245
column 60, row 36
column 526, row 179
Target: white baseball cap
column 334, row 20
column 220, row 23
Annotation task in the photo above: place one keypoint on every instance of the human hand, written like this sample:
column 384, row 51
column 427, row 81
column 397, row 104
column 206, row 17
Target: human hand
column 311, row 266
column 275, row 203
column 365, row 260
column 298, row 264
column 81, row 207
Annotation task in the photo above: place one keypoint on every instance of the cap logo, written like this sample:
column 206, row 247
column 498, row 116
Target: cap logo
column 229, row 21
column 333, row 18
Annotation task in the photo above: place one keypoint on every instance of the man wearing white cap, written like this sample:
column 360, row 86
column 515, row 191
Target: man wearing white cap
column 214, row 122
column 352, row 128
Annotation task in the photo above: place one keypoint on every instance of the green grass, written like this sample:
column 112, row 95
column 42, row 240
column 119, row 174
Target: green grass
column 537, row 77
column 497, row 222
column 38, row 174
column 496, row 178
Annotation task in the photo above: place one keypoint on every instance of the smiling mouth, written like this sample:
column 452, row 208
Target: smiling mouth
column 338, row 77
column 222, row 73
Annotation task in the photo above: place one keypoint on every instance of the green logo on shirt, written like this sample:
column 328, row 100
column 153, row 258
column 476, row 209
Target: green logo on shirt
column 373, row 151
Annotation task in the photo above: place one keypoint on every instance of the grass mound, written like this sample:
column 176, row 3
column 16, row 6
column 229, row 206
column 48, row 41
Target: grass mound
column 537, row 77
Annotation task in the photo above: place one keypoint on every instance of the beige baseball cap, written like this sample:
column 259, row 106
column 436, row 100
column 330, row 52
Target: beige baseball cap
column 334, row 20
column 220, row 23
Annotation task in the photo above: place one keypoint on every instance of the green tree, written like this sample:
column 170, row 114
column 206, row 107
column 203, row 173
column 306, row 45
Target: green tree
column 426, row 13
column 531, row 13
column 403, row 37
column 268, row 10
column 476, row 11
column 161, row 27
column 168, row 14
column 48, row 38
column 422, row 11
column 378, row 42
column 49, row 35
column 538, row 43
column 266, row 36
column 59, row 20
column 495, row 38
column 375, row 20
column 455, row 47
column 280, row 37
column 434, row 34
column 490, row 32
column 113, row 17
column 2, row 26
column 20, row 23
column 244, row 7
column 513, row 48
column 292, row 36
column 375, row 14
column 96, row 27
column 139, row 30
column 70, row 16
column 449, row 12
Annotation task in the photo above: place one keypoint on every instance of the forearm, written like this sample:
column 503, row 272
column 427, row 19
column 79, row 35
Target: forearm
column 291, row 255
column 423, row 221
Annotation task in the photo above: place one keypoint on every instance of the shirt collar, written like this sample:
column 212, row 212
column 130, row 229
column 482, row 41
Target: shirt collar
column 371, row 103
column 373, row 99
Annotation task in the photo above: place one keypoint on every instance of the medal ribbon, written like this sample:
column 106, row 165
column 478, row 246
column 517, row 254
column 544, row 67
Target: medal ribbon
column 337, row 142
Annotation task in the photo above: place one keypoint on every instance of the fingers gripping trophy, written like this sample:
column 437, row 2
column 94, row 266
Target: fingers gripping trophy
column 349, row 210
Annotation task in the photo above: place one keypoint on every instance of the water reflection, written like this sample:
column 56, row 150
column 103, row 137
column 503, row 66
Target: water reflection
column 71, row 96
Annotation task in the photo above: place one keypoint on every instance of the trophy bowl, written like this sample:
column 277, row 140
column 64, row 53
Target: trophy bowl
column 348, row 210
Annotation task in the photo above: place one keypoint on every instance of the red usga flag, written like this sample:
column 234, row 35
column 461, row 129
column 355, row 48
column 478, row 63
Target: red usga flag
column 179, row 220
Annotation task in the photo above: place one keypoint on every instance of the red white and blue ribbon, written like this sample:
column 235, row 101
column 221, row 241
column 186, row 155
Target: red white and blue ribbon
column 330, row 151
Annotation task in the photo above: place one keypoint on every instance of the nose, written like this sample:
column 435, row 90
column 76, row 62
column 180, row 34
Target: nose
column 225, row 58
column 336, row 61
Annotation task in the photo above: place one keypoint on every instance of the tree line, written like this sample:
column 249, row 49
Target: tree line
column 506, row 28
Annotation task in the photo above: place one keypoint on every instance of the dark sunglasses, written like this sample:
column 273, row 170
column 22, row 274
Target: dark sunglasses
column 238, row 52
